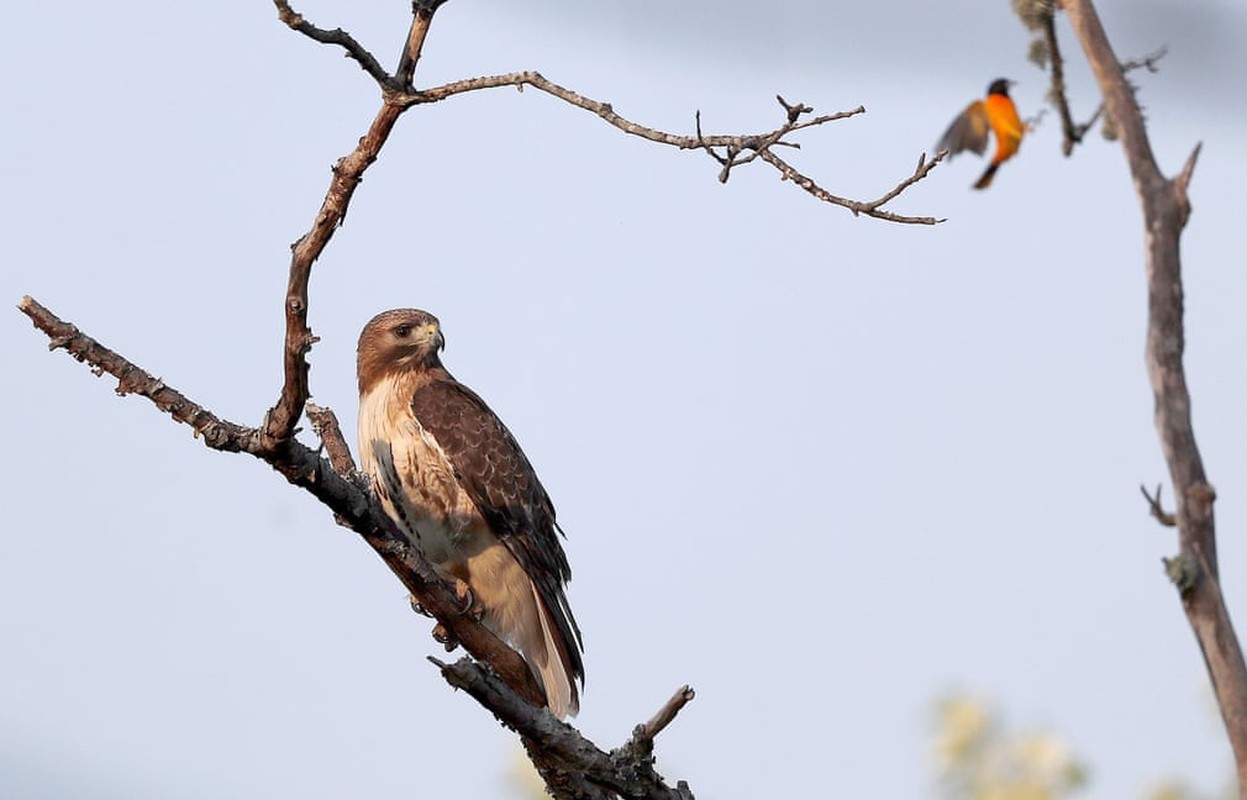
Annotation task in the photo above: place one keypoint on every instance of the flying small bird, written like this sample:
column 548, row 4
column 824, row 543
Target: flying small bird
column 997, row 114
column 454, row 480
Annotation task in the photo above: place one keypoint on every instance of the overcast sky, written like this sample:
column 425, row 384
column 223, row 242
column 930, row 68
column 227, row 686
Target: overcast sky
column 822, row 468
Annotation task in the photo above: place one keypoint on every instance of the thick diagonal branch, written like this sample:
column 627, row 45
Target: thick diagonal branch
column 1166, row 208
column 572, row 766
column 307, row 469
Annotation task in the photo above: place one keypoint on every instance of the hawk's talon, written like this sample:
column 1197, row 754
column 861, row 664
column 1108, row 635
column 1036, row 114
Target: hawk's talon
column 418, row 607
column 464, row 592
column 445, row 637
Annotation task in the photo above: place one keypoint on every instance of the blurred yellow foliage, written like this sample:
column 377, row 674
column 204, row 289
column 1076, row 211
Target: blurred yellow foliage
column 977, row 758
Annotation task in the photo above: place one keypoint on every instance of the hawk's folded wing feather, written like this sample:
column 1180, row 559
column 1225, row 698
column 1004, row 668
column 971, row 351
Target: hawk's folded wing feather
column 503, row 485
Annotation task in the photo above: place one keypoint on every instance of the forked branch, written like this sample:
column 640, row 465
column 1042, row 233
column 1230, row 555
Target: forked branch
column 1040, row 16
column 724, row 148
column 340, row 490
column 571, row 765
column 506, row 686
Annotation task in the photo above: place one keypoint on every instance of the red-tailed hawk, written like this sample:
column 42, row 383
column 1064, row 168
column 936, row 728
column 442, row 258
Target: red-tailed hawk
column 453, row 478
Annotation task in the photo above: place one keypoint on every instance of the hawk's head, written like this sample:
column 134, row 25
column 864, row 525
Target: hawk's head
column 397, row 340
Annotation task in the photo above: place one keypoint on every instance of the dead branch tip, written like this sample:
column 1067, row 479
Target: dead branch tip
column 1188, row 169
column 1157, row 510
column 657, row 723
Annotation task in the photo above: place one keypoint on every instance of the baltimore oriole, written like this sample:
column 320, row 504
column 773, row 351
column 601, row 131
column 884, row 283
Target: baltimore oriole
column 995, row 113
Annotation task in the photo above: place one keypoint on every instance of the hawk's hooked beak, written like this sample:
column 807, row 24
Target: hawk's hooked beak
column 430, row 334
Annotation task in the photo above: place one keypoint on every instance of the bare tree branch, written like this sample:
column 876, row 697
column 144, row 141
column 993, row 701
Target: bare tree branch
column 422, row 13
column 665, row 716
column 869, row 208
column 338, row 37
column 325, row 426
column 1149, row 62
column 571, row 765
column 1158, row 510
column 737, row 149
column 305, row 468
column 500, row 679
column 1072, row 133
column 281, row 419
column 1166, row 209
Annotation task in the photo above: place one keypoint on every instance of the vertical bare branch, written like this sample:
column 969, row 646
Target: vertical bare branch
column 279, row 423
column 1072, row 134
column 1165, row 210
column 421, row 16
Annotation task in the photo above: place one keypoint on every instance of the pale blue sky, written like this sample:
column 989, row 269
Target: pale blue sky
column 821, row 468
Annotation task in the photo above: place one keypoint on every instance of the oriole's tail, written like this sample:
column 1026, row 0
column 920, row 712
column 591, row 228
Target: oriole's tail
column 986, row 179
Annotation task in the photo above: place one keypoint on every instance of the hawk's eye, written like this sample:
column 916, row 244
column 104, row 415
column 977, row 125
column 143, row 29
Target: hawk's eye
column 402, row 331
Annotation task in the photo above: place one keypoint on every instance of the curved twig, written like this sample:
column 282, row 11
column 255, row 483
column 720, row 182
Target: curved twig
column 338, row 37
column 737, row 149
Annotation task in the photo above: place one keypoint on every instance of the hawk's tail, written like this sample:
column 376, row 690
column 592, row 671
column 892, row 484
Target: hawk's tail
column 546, row 637
column 554, row 665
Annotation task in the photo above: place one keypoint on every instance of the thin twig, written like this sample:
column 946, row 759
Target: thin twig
column 1158, row 511
column 1072, row 134
column 736, row 149
column 325, row 425
column 665, row 715
column 869, row 208
column 338, row 37
column 1150, row 62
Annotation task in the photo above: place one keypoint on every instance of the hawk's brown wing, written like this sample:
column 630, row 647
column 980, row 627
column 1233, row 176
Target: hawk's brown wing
column 968, row 131
column 495, row 473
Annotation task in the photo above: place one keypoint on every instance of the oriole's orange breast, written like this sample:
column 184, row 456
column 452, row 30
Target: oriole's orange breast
column 1002, row 115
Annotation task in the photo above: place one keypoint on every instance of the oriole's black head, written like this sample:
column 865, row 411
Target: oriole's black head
column 1000, row 86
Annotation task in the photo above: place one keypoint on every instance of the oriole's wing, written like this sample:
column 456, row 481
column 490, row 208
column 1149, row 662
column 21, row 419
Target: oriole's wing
column 968, row 131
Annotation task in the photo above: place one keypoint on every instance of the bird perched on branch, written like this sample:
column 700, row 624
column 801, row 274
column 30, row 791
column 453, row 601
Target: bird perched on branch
column 454, row 480
column 995, row 113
